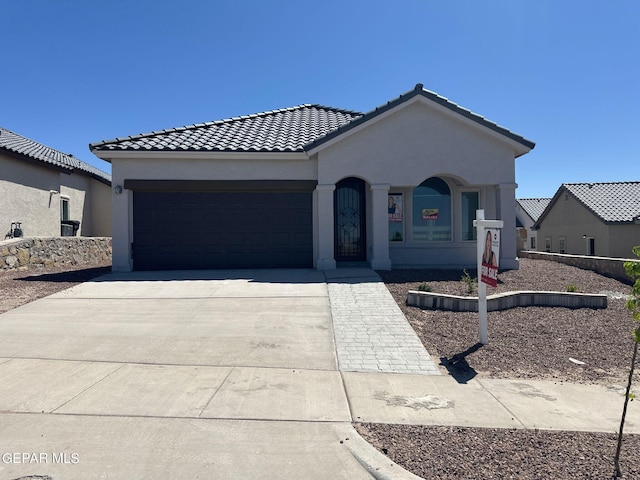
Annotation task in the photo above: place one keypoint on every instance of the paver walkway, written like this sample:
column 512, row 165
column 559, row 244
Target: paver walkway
column 371, row 332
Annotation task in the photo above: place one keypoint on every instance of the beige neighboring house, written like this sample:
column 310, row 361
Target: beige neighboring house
column 42, row 188
column 315, row 186
column 528, row 210
column 601, row 219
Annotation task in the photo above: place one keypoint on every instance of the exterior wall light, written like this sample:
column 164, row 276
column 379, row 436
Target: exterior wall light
column 118, row 189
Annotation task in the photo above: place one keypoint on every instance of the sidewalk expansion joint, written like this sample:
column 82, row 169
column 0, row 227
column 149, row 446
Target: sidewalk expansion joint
column 513, row 415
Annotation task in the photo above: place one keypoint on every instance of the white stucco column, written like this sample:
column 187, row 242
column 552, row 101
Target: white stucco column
column 506, row 211
column 380, row 226
column 323, row 226
column 122, row 203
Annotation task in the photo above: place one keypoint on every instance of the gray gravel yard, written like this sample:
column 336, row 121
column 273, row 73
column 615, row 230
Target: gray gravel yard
column 529, row 342
column 453, row 453
column 524, row 343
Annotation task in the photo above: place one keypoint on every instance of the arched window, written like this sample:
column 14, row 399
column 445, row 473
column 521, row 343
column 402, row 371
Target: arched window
column 431, row 218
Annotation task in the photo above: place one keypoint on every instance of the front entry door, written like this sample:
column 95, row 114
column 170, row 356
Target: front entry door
column 350, row 221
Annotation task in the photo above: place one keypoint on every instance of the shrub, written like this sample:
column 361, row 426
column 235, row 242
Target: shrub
column 424, row 287
column 572, row 287
column 469, row 281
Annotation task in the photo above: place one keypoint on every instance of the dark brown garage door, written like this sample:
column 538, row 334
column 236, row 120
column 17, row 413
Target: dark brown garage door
column 197, row 230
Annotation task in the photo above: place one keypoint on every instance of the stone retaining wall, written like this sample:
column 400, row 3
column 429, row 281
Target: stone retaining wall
column 607, row 266
column 53, row 251
column 504, row 301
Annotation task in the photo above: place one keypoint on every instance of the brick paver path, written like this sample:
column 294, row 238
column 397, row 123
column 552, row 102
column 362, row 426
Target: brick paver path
column 371, row 332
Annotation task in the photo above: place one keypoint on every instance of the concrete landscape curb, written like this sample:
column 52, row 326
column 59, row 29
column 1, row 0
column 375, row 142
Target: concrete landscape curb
column 504, row 301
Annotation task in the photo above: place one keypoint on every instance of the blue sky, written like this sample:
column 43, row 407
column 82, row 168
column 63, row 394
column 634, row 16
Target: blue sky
column 565, row 74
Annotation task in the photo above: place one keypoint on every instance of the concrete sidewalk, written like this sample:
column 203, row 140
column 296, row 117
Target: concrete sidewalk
column 235, row 375
column 491, row 403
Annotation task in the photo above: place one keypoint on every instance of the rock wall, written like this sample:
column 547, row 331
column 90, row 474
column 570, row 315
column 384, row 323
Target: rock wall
column 53, row 252
column 609, row 267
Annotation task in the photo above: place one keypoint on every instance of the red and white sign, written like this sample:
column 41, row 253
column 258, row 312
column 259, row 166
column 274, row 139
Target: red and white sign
column 490, row 256
column 430, row 214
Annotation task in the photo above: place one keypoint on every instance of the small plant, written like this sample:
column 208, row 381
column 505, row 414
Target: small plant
column 572, row 287
column 424, row 287
column 469, row 281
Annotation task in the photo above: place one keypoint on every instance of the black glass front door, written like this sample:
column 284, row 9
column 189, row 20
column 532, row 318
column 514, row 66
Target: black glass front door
column 350, row 221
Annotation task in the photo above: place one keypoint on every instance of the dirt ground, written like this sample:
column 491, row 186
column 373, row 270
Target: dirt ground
column 23, row 286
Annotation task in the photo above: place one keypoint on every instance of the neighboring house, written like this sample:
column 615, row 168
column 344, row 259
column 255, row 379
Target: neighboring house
column 314, row 186
column 600, row 219
column 528, row 210
column 40, row 187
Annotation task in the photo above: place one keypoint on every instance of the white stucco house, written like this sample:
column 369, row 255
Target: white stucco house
column 314, row 186
column 41, row 188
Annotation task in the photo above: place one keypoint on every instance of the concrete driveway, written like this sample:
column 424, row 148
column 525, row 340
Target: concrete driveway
column 221, row 374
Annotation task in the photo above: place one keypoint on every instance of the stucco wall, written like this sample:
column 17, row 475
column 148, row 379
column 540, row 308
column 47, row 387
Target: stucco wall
column 214, row 167
column 77, row 190
column 100, row 209
column 622, row 239
column 26, row 195
column 571, row 219
column 406, row 147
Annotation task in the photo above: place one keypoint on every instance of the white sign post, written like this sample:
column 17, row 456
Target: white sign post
column 488, row 252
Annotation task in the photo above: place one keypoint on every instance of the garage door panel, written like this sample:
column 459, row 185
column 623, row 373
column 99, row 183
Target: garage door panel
column 189, row 230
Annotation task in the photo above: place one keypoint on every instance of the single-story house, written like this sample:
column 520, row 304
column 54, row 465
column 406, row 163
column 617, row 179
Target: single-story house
column 314, row 186
column 42, row 188
column 600, row 219
column 528, row 210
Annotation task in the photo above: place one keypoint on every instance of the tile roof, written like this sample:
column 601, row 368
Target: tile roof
column 17, row 144
column 294, row 129
column 533, row 206
column 284, row 130
column 612, row 202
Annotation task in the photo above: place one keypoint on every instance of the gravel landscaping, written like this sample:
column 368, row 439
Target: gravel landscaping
column 524, row 343
column 454, row 453
column 23, row 286
column 529, row 342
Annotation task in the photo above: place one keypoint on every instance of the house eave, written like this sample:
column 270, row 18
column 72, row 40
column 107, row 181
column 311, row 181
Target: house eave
column 109, row 155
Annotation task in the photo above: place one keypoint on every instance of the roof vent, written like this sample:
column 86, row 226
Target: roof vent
column 419, row 87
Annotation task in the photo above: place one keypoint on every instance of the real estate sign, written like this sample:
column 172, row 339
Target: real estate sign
column 490, row 256
column 430, row 214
